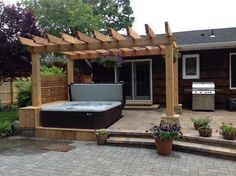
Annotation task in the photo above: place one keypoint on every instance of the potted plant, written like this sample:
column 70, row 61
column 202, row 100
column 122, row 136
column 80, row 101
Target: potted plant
column 101, row 136
column 110, row 61
column 228, row 131
column 200, row 122
column 205, row 131
column 164, row 135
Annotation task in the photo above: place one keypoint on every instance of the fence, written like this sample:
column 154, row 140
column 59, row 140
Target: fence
column 8, row 93
column 54, row 88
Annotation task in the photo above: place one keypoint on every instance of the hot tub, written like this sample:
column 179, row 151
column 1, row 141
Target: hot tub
column 81, row 114
column 91, row 106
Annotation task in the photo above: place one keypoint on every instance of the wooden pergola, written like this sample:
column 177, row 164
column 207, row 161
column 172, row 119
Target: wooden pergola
column 83, row 46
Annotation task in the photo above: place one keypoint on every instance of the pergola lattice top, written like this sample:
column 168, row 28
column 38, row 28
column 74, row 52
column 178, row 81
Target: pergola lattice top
column 85, row 47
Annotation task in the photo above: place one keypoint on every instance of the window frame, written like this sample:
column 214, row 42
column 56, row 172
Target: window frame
column 230, row 76
column 186, row 56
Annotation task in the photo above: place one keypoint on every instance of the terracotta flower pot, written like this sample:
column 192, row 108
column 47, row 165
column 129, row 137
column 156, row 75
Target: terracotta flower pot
column 101, row 139
column 164, row 146
column 205, row 132
column 229, row 136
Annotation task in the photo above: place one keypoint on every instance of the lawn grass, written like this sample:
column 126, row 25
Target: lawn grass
column 9, row 116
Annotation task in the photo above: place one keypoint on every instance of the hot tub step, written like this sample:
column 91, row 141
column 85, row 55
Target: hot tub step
column 201, row 149
column 142, row 107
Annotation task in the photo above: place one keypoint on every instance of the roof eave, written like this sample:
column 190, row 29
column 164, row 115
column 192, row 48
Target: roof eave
column 208, row 46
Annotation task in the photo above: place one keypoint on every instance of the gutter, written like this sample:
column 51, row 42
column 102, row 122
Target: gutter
column 207, row 46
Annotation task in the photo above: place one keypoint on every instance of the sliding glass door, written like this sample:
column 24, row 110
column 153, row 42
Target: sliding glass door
column 136, row 75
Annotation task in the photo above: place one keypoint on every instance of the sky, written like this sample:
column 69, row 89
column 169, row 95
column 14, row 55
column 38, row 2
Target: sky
column 182, row 15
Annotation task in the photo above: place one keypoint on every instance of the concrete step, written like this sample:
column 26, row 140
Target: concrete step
column 201, row 149
column 142, row 107
column 187, row 138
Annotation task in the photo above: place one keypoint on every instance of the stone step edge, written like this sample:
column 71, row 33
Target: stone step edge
column 142, row 107
column 193, row 139
column 188, row 147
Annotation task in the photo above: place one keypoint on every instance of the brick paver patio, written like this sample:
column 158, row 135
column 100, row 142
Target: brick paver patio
column 141, row 120
column 24, row 157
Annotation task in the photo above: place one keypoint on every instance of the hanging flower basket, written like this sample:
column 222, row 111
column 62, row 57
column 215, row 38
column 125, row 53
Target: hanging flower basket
column 110, row 61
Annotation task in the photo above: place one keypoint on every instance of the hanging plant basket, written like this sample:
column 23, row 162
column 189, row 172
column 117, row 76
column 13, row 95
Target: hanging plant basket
column 110, row 61
column 109, row 64
column 176, row 55
column 228, row 136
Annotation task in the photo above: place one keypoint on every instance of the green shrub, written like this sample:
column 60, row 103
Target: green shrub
column 101, row 132
column 8, row 108
column 52, row 71
column 6, row 129
column 201, row 121
column 24, row 86
column 227, row 128
column 24, row 92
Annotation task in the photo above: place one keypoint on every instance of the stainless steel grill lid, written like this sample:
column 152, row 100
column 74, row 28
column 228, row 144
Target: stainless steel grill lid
column 203, row 85
column 203, row 88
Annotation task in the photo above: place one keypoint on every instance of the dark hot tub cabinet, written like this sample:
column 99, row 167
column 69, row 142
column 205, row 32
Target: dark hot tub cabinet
column 92, row 106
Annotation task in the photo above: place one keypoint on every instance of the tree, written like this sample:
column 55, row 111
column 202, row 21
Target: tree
column 67, row 16
column 14, row 58
column 116, row 13
column 70, row 16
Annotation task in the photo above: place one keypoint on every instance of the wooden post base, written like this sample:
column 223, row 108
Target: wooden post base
column 178, row 109
column 29, row 116
column 169, row 119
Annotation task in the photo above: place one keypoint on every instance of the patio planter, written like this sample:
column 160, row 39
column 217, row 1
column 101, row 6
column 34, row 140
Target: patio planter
column 229, row 136
column 101, row 139
column 164, row 146
column 205, row 132
column 196, row 126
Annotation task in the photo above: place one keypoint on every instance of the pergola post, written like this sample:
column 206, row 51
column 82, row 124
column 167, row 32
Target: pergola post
column 177, row 106
column 70, row 71
column 170, row 116
column 36, row 80
column 169, row 80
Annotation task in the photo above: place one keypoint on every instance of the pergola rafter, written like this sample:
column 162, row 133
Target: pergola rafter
column 83, row 46
column 82, row 42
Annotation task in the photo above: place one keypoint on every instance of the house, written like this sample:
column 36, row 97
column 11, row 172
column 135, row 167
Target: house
column 205, row 55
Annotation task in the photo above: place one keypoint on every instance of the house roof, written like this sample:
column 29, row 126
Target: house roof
column 202, row 39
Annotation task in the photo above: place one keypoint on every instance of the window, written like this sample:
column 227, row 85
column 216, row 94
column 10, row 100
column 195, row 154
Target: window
column 233, row 70
column 191, row 66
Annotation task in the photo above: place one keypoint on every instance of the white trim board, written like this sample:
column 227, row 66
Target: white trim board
column 185, row 56
column 207, row 46
column 230, row 83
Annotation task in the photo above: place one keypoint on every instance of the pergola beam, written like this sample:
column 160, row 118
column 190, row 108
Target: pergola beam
column 86, row 38
column 149, row 31
column 115, row 35
column 99, row 36
column 169, row 34
column 134, row 35
column 63, row 46
column 123, row 52
column 70, row 39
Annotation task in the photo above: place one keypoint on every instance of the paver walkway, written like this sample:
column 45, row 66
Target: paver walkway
column 24, row 157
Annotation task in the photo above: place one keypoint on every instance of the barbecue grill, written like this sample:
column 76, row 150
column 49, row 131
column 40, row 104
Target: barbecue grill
column 203, row 96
